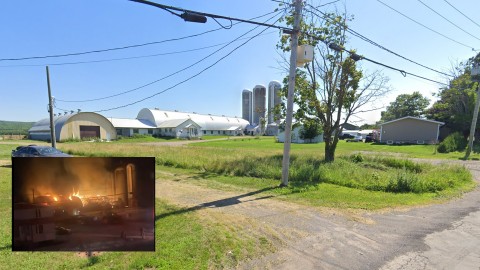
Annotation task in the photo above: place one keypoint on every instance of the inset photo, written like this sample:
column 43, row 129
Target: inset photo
column 83, row 204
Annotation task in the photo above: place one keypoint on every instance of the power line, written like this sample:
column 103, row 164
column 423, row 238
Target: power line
column 403, row 72
column 362, row 37
column 186, row 80
column 447, row 19
column 124, row 47
column 171, row 74
column 107, row 50
column 122, row 58
column 461, row 13
column 357, row 57
column 421, row 24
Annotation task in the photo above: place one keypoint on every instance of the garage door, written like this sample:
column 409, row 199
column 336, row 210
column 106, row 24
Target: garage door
column 89, row 132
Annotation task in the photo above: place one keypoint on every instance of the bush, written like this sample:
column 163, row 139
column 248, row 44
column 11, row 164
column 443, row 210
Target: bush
column 356, row 158
column 453, row 142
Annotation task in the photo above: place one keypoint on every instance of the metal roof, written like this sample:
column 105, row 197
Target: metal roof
column 131, row 123
column 44, row 124
column 414, row 118
column 172, row 123
column 206, row 122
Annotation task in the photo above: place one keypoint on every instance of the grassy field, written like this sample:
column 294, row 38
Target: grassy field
column 378, row 181
column 189, row 240
column 181, row 241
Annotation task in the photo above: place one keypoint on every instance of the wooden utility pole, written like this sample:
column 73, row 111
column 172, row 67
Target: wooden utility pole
column 291, row 89
column 50, row 110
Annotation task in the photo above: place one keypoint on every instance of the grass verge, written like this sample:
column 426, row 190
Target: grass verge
column 184, row 240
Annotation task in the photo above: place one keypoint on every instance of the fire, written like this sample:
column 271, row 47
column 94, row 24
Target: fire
column 75, row 194
column 55, row 198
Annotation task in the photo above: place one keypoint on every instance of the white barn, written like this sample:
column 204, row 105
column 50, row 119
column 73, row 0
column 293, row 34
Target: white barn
column 206, row 124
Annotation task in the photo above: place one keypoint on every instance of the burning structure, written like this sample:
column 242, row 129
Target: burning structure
column 53, row 192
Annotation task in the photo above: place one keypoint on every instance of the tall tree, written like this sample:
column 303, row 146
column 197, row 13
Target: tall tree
column 414, row 104
column 333, row 87
column 456, row 101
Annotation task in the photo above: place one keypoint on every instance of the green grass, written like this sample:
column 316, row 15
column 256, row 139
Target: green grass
column 313, row 194
column 145, row 139
column 343, row 148
column 184, row 240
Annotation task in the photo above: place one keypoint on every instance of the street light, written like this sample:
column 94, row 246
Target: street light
column 475, row 75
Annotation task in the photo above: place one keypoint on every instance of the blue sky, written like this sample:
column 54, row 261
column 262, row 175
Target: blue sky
column 38, row 28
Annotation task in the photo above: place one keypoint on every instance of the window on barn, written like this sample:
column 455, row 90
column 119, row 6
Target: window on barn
column 211, row 131
column 135, row 131
column 204, row 132
column 150, row 131
column 224, row 132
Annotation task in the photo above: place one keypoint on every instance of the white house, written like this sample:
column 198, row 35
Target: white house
column 296, row 136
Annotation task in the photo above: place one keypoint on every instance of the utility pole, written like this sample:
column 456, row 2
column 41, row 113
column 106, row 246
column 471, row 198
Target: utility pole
column 291, row 89
column 50, row 110
column 475, row 73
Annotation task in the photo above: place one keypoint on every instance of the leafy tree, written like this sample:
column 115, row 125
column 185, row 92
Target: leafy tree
column 333, row 87
column 414, row 104
column 456, row 101
column 369, row 126
column 310, row 130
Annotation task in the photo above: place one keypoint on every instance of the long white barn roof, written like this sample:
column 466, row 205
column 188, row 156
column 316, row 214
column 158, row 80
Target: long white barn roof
column 206, row 122
column 131, row 123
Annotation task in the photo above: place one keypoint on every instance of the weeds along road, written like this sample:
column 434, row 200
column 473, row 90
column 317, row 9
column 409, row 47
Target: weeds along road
column 443, row 236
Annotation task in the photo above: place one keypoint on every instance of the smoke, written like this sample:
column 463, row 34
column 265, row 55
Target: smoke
column 61, row 176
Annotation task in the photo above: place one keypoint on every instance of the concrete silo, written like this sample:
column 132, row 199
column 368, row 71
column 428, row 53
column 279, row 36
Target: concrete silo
column 247, row 105
column 274, row 99
column 259, row 103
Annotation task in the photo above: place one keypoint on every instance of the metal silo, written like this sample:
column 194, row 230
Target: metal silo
column 259, row 103
column 274, row 99
column 247, row 105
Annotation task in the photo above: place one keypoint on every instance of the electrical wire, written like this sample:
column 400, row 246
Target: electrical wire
column 463, row 30
column 362, row 37
column 421, row 24
column 403, row 72
column 125, row 47
column 108, row 50
column 189, row 78
column 462, row 13
column 167, row 76
column 123, row 58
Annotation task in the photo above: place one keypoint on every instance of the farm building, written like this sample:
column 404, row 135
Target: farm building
column 200, row 123
column 74, row 126
column 32, row 223
column 410, row 130
column 296, row 136
column 130, row 127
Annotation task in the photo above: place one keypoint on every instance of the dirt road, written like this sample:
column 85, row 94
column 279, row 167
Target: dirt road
column 444, row 236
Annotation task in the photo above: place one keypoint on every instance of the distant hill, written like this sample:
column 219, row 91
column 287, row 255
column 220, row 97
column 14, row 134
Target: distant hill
column 12, row 127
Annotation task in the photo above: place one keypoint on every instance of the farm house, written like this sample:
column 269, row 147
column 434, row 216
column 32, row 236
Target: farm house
column 410, row 130
column 80, row 125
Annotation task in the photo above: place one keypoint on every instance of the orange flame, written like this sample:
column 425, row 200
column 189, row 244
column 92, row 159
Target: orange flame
column 76, row 194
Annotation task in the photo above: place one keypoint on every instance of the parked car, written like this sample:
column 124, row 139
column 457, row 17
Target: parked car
column 356, row 138
column 37, row 151
column 344, row 136
column 369, row 138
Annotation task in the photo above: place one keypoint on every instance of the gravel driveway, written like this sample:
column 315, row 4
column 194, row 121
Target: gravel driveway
column 442, row 236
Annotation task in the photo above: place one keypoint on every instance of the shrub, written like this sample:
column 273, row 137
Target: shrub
column 403, row 182
column 356, row 158
column 453, row 142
